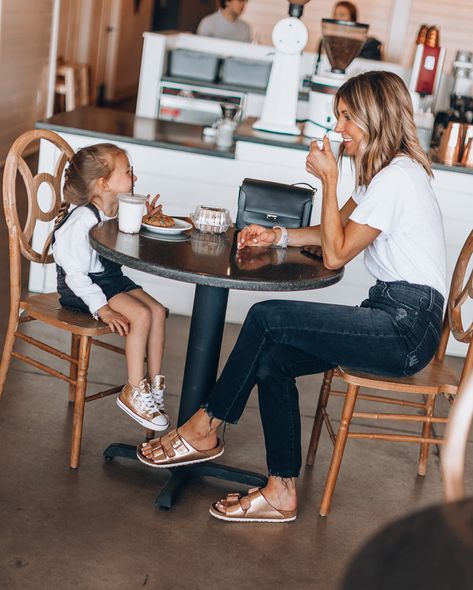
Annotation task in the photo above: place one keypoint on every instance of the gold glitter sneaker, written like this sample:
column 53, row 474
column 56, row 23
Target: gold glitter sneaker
column 138, row 402
column 157, row 390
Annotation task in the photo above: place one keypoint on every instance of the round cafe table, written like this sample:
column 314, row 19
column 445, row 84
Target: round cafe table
column 214, row 265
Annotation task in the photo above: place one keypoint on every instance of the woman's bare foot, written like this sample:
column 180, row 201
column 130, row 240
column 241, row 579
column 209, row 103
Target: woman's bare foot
column 200, row 431
column 280, row 492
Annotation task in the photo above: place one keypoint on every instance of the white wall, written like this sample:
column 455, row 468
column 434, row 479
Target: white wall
column 25, row 37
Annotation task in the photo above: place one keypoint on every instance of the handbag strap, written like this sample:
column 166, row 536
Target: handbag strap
column 314, row 190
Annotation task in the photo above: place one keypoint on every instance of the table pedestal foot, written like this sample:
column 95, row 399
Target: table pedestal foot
column 120, row 450
column 180, row 475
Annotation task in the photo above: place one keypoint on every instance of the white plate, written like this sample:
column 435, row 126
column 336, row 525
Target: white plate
column 179, row 227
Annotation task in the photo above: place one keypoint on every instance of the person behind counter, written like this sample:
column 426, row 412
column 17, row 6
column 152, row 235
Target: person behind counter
column 226, row 22
column 347, row 11
column 394, row 217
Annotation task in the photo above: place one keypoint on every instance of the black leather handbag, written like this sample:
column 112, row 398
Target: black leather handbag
column 272, row 203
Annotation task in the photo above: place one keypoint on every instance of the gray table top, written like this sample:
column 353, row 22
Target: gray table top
column 104, row 123
column 212, row 260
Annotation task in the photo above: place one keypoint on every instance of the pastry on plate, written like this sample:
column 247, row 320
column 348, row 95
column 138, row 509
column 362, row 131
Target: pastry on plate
column 159, row 220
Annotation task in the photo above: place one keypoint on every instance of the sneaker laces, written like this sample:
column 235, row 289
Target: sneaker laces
column 158, row 395
column 144, row 400
column 157, row 389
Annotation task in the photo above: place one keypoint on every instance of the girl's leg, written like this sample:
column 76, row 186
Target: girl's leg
column 139, row 317
column 157, row 331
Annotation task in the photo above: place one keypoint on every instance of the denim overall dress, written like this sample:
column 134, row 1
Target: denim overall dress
column 111, row 280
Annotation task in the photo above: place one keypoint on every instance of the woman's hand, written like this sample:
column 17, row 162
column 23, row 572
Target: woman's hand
column 321, row 162
column 114, row 320
column 256, row 235
column 151, row 207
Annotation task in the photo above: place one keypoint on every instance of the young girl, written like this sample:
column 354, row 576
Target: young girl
column 89, row 283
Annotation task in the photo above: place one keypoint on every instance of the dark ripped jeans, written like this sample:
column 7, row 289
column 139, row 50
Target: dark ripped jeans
column 394, row 332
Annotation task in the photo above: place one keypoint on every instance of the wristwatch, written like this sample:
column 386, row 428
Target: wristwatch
column 282, row 242
column 96, row 315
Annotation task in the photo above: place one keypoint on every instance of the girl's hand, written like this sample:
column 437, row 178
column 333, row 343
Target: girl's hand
column 255, row 235
column 114, row 320
column 321, row 162
column 152, row 208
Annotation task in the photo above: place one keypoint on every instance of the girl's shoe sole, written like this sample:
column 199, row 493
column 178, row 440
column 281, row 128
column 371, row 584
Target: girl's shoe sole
column 145, row 423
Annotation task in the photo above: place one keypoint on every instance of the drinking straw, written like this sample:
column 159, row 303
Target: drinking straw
column 132, row 182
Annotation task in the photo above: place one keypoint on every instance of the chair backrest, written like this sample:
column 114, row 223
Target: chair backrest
column 461, row 289
column 21, row 235
column 456, row 438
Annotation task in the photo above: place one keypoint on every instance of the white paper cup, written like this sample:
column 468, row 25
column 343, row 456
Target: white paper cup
column 131, row 209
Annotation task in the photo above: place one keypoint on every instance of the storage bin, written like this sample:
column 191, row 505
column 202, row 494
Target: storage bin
column 197, row 65
column 246, row 72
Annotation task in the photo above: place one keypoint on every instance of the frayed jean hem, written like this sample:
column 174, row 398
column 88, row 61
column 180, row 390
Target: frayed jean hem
column 211, row 415
column 282, row 474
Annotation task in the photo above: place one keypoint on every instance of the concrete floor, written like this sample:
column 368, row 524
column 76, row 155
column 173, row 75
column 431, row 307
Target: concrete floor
column 96, row 528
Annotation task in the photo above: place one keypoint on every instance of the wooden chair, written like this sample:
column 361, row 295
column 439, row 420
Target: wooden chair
column 440, row 376
column 45, row 307
column 72, row 82
column 456, row 438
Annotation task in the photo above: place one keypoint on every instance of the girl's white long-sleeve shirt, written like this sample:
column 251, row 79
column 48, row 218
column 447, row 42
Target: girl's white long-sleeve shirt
column 74, row 254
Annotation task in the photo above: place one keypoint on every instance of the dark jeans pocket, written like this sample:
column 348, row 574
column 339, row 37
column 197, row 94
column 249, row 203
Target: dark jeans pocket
column 422, row 354
column 407, row 304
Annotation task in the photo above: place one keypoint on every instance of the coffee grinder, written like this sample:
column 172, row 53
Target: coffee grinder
column 342, row 41
column 280, row 104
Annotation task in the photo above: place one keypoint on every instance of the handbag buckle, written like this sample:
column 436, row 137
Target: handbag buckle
column 271, row 217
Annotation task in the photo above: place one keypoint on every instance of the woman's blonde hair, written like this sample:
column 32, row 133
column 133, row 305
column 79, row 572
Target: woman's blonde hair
column 85, row 168
column 380, row 104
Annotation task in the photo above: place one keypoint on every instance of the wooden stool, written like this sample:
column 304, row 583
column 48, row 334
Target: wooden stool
column 72, row 82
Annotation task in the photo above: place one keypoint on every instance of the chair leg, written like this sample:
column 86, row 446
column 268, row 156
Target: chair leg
column 337, row 455
column 319, row 417
column 75, row 339
column 79, row 402
column 8, row 347
column 427, row 433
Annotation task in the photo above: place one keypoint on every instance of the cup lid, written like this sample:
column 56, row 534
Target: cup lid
column 129, row 198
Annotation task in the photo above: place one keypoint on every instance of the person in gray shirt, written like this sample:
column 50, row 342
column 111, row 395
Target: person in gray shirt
column 226, row 22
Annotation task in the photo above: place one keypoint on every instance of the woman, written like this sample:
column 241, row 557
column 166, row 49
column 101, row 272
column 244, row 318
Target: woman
column 393, row 215
column 345, row 11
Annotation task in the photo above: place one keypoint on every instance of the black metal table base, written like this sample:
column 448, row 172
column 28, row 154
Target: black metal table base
column 180, row 475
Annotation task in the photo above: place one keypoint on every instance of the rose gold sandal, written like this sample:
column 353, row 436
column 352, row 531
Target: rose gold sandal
column 171, row 450
column 251, row 508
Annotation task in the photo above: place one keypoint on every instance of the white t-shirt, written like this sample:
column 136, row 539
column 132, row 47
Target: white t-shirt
column 216, row 25
column 73, row 252
column 400, row 202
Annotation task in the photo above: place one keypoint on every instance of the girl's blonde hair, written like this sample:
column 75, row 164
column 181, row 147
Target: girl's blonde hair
column 380, row 104
column 86, row 167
